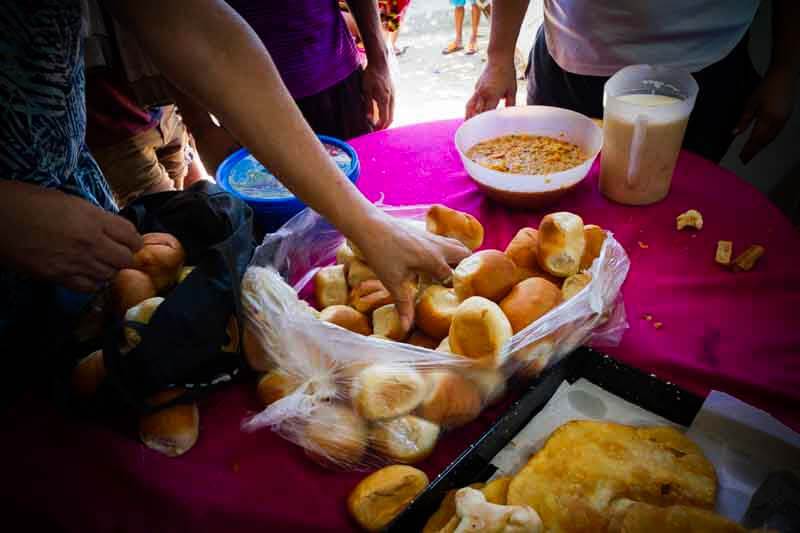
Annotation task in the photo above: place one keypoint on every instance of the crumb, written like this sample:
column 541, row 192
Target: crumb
column 724, row 251
column 657, row 325
column 748, row 259
column 235, row 468
column 690, row 219
column 643, row 245
column 648, row 317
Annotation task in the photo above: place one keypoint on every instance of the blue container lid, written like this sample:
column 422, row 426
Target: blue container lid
column 242, row 175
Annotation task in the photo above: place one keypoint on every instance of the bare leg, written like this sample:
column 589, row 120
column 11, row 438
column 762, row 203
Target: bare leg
column 393, row 40
column 476, row 21
column 459, row 14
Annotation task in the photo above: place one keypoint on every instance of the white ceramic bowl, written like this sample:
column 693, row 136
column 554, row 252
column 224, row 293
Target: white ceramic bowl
column 529, row 190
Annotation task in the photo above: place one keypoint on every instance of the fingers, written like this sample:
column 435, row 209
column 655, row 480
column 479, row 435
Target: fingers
column 123, row 232
column 511, row 97
column 454, row 251
column 114, row 254
column 387, row 114
column 403, row 295
column 81, row 284
column 472, row 106
column 99, row 271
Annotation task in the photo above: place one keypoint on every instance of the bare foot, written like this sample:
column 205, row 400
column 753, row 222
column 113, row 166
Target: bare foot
column 455, row 46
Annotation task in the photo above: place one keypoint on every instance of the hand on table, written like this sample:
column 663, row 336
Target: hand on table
column 769, row 108
column 378, row 93
column 497, row 82
column 62, row 238
column 397, row 251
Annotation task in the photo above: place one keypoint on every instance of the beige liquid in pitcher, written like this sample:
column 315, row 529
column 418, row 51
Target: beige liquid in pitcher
column 659, row 153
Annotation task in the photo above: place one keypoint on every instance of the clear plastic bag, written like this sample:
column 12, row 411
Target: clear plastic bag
column 358, row 402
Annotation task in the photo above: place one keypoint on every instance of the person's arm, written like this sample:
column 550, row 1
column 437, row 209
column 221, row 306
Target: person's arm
column 217, row 59
column 377, row 82
column 499, row 79
column 773, row 100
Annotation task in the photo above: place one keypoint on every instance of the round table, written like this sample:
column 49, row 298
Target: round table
column 739, row 333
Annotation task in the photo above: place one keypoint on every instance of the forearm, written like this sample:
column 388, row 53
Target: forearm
column 507, row 17
column 365, row 13
column 785, row 37
column 214, row 57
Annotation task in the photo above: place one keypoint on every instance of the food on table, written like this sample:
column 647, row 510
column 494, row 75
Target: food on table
column 628, row 516
column 88, row 374
column 474, row 513
column 130, row 287
column 524, row 249
column 561, row 243
column 690, row 219
column 643, row 245
column 575, row 284
column 184, row 273
column 463, row 227
column 161, row 257
column 748, row 259
column 435, row 309
column 594, row 236
column 382, row 391
column 407, row 439
column 172, row 430
column 488, row 273
column 452, row 399
column 490, row 382
column 446, row 511
column 358, row 272
column 139, row 314
column 330, row 286
column 417, row 338
column 383, row 495
column 585, row 465
column 369, row 295
column 386, row 322
column 528, row 301
column 479, row 330
column 276, row 384
column 335, row 434
column 347, row 318
column 533, row 358
column 527, row 154
column 724, row 252
column 496, row 491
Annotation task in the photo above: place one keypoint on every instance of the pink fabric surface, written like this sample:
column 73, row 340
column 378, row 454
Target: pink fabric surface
column 736, row 333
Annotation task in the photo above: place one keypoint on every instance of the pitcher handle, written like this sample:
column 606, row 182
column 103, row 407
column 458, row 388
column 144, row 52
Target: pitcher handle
column 637, row 142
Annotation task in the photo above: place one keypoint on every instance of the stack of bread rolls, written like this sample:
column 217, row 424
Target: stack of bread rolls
column 397, row 411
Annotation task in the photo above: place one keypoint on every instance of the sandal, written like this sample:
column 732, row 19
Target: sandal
column 452, row 47
column 472, row 49
column 400, row 51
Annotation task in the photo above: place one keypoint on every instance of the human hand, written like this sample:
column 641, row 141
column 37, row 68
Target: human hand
column 769, row 108
column 396, row 251
column 378, row 93
column 497, row 82
column 62, row 238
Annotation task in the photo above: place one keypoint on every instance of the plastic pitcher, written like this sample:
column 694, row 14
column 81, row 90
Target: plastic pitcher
column 646, row 109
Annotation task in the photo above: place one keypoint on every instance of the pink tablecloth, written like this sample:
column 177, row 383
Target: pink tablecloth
column 737, row 333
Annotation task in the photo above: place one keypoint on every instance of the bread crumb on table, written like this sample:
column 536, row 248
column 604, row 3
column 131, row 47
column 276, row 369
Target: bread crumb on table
column 690, row 219
column 658, row 325
column 643, row 245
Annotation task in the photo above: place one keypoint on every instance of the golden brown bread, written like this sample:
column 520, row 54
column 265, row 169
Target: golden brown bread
column 528, row 301
column 496, row 491
column 444, row 346
column 524, row 249
column 344, row 255
column 335, row 435
column 254, row 352
column 330, row 286
column 347, row 318
column 561, row 243
column 479, row 330
column 382, row 391
column 575, row 284
column 274, row 385
column 386, row 323
column 358, row 272
column 452, row 400
column 406, row 439
column 369, row 295
column 88, row 374
column 585, row 465
column 435, row 309
column 140, row 314
column 637, row 517
column 173, row 430
column 595, row 236
column 383, row 495
column 129, row 288
column 491, row 383
column 161, row 257
column 417, row 338
column 488, row 273
column 530, row 360
column 447, row 222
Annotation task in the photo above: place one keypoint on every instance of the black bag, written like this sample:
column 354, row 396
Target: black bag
column 182, row 344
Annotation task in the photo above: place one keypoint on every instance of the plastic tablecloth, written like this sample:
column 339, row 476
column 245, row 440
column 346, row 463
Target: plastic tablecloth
column 739, row 333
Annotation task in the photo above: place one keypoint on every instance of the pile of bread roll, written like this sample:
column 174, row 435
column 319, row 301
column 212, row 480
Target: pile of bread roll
column 135, row 294
column 397, row 412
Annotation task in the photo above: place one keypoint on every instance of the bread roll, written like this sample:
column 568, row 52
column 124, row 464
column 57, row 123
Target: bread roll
column 444, row 346
column 575, row 284
column 161, row 257
column 418, row 338
column 369, row 295
column 384, row 391
column 561, row 243
column 274, row 385
column 330, row 286
column 141, row 314
column 452, row 400
column 184, row 273
column 491, row 383
column 594, row 236
column 347, row 318
column 254, row 352
column 88, row 374
column 528, row 301
column 530, row 360
column 386, row 322
column 345, row 255
column 407, row 439
column 524, row 249
column 435, row 309
column 336, row 435
column 479, row 330
column 488, row 273
column 447, row 222
column 129, row 288
column 358, row 272
column 384, row 494
column 171, row 431
column 355, row 250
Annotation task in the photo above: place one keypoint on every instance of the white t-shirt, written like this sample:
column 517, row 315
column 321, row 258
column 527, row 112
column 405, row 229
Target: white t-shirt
column 599, row 37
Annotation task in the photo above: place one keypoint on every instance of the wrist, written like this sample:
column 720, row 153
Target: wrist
column 499, row 56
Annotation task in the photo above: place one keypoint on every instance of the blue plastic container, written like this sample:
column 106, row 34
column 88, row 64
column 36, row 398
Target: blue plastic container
column 243, row 176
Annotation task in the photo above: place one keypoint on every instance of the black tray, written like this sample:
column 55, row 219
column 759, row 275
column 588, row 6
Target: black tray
column 473, row 465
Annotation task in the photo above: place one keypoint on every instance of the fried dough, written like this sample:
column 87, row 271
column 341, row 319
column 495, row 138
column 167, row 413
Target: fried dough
column 636, row 517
